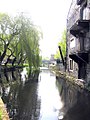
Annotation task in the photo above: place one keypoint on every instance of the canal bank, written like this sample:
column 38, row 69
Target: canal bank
column 3, row 111
column 75, row 94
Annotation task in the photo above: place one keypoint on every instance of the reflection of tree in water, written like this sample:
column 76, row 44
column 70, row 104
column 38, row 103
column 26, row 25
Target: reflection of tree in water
column 10, row 93
column 29, row 103
column 21, row 100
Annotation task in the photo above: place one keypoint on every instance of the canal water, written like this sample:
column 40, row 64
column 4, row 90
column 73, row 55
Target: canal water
column 47, row 99
column 49, row 95
column 27, row 100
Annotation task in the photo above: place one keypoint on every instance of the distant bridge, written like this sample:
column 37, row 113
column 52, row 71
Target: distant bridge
column 44, row 68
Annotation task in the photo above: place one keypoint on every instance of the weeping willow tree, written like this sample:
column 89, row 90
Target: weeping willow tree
column 19, row 42
column 29, row 38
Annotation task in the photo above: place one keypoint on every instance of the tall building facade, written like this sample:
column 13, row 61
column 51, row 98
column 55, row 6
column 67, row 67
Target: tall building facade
column 78, row 39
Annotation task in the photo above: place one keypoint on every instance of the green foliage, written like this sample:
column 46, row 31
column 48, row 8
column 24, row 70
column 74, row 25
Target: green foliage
column 1, row 113
column 57, row 55
column 30, row 42
column 19, row 41
column 62, row 43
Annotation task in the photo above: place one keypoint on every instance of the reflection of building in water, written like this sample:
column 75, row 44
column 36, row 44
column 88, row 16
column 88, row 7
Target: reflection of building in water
column 78, row 39
column 75, row 99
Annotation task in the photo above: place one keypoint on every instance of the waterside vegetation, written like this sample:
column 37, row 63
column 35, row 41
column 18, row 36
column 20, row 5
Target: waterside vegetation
column 19, row 43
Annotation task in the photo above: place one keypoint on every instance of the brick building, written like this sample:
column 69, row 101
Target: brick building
column 78, row 39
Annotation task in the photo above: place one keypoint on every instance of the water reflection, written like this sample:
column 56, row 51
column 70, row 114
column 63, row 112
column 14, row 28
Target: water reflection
column 21, row 99
column 27, row 100
column 76, row 101
column 29, row 103
column 50, row 99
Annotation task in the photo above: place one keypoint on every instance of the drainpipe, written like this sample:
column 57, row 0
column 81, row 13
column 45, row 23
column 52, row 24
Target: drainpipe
column 61, row 55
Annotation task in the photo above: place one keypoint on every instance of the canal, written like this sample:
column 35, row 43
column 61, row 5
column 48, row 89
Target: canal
column 27, row 100
column 47, row 99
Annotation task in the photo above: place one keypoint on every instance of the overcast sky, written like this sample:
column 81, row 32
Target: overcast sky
column 50, row 15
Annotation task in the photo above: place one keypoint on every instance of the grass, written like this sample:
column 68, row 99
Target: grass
column 1, row 114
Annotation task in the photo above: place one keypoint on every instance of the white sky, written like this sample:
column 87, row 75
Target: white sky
column 50, row 15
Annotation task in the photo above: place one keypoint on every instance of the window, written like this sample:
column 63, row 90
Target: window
column 88, row 3
column 72, row 43
column 71, row 64
column 86, row 13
